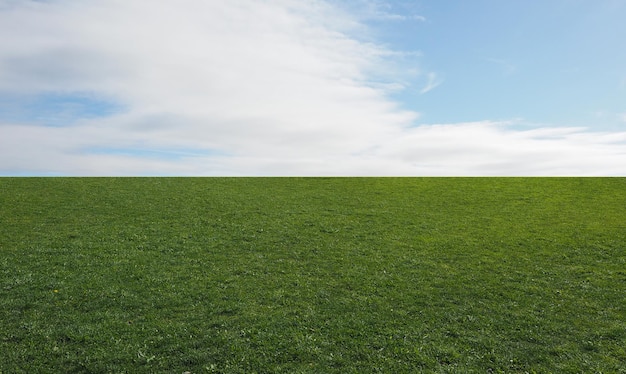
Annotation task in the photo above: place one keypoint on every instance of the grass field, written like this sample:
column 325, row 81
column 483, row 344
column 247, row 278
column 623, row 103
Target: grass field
column 313, row 275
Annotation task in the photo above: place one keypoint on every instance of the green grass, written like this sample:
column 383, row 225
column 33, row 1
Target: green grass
column 317, row 275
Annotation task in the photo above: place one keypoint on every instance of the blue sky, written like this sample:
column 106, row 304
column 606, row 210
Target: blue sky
column 549, row 62
column 317, row 87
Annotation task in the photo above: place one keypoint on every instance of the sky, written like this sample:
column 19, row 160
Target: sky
column 312, row 88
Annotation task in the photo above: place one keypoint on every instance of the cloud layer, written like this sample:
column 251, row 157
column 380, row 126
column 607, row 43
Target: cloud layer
column 243, row 87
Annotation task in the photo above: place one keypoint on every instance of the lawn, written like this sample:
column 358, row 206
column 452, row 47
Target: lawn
column 312, row 275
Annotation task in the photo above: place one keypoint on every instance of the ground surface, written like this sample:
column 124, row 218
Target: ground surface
column 319, row 275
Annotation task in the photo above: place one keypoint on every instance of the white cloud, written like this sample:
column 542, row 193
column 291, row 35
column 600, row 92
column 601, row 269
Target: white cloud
column 398, row 17
column 381, row 10
column 243, row 87
column 433, row 82
column 489, row 148
column 241, row 75
column 481, row 148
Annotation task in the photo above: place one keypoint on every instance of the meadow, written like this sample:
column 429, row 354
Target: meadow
column 313, row 275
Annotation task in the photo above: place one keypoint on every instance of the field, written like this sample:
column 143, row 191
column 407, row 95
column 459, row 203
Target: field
column 312, row 275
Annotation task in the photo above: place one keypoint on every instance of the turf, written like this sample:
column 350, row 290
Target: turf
column 312, row 275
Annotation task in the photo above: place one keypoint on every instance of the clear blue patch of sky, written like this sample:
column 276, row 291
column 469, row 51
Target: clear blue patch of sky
column 55, row 108
column 30, row 173
column 556, row 61
column 170, row 154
